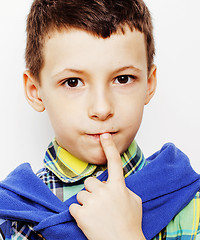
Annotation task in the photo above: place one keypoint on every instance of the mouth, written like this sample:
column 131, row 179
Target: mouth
column 96, row 136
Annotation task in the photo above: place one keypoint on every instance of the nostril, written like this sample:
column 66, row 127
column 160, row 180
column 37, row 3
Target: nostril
column 101, row 116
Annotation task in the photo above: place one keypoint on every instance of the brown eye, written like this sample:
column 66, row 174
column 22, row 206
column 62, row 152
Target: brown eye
column 124, row 79
column 73, row 82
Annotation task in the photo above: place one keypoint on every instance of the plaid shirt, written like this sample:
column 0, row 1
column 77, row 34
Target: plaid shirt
column 64, row 175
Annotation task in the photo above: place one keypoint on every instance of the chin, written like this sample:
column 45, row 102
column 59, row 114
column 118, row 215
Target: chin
column 97, row 160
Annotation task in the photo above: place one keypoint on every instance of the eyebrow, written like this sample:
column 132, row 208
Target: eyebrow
column 76, row 71
column 131, row 67
column 68, row 70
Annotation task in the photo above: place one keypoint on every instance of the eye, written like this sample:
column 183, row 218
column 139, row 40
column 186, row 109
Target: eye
column 73, row 83
column 124, row 79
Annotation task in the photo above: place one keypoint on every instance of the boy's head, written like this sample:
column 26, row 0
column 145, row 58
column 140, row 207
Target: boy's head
column 101, row 18
column 94, row 72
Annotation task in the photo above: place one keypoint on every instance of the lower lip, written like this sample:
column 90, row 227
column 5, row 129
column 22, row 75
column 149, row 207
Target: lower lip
column 95, row 136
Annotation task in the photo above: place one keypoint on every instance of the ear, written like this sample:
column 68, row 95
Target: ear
column 151, row 84
column 31, row 87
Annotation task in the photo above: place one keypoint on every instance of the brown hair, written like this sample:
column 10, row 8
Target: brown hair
column 99, row 17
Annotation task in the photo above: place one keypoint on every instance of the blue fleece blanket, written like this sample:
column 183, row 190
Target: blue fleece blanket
column 166, row 185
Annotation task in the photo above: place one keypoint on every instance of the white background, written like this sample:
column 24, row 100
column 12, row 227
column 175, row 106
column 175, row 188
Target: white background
column 172, row 116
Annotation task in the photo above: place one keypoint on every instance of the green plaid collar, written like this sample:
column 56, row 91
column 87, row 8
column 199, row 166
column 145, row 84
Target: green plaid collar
column 70, row 169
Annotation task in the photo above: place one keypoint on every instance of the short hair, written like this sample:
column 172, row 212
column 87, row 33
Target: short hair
column 101, row 18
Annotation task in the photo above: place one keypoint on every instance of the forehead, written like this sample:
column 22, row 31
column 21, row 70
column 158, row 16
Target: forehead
column 81, row 50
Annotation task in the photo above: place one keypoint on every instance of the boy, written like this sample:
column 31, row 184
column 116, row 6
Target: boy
column 90, row 65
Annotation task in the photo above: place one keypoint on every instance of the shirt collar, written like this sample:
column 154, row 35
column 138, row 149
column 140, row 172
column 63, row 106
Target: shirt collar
column 70, row 169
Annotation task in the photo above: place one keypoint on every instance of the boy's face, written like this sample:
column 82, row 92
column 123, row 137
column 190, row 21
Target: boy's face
column 90, row 86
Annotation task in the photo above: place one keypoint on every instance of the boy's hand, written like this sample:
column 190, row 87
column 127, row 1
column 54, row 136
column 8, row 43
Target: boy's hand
column 109, row 210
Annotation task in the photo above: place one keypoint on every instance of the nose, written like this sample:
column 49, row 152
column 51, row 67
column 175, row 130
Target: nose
column 101, row 105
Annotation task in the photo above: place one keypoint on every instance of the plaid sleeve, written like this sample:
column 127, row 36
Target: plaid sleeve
column 198, row 233
column 185, row 225
column 22, row 231
column 18, row 231
column 5, row 229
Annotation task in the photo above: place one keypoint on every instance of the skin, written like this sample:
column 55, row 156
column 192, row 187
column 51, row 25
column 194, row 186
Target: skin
column 93, row 87
column 99, row 103
column 100, row 214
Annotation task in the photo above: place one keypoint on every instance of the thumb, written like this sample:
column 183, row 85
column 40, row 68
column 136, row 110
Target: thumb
column 115, row 170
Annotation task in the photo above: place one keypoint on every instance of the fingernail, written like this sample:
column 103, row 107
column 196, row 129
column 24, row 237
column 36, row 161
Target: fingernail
column 105, row 135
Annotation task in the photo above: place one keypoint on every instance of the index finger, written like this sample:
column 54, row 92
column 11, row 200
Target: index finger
column 115, row 170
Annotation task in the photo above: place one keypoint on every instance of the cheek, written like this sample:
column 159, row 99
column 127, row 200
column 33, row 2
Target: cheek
column 64, row 123
column 61, row 110
column 132, row 123
column 132, row 112
column 65, row 132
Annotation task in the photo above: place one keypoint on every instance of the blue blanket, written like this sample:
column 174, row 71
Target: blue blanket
column 166, row 185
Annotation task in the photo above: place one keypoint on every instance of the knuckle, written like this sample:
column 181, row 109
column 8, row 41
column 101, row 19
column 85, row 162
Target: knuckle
column 89, row 181
column 81, row 196
column 73, row 209
column 78, row 197
column 77, row 213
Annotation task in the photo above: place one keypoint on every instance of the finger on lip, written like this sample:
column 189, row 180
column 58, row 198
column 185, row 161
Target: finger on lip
column 106, row 135
column 115, row 169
